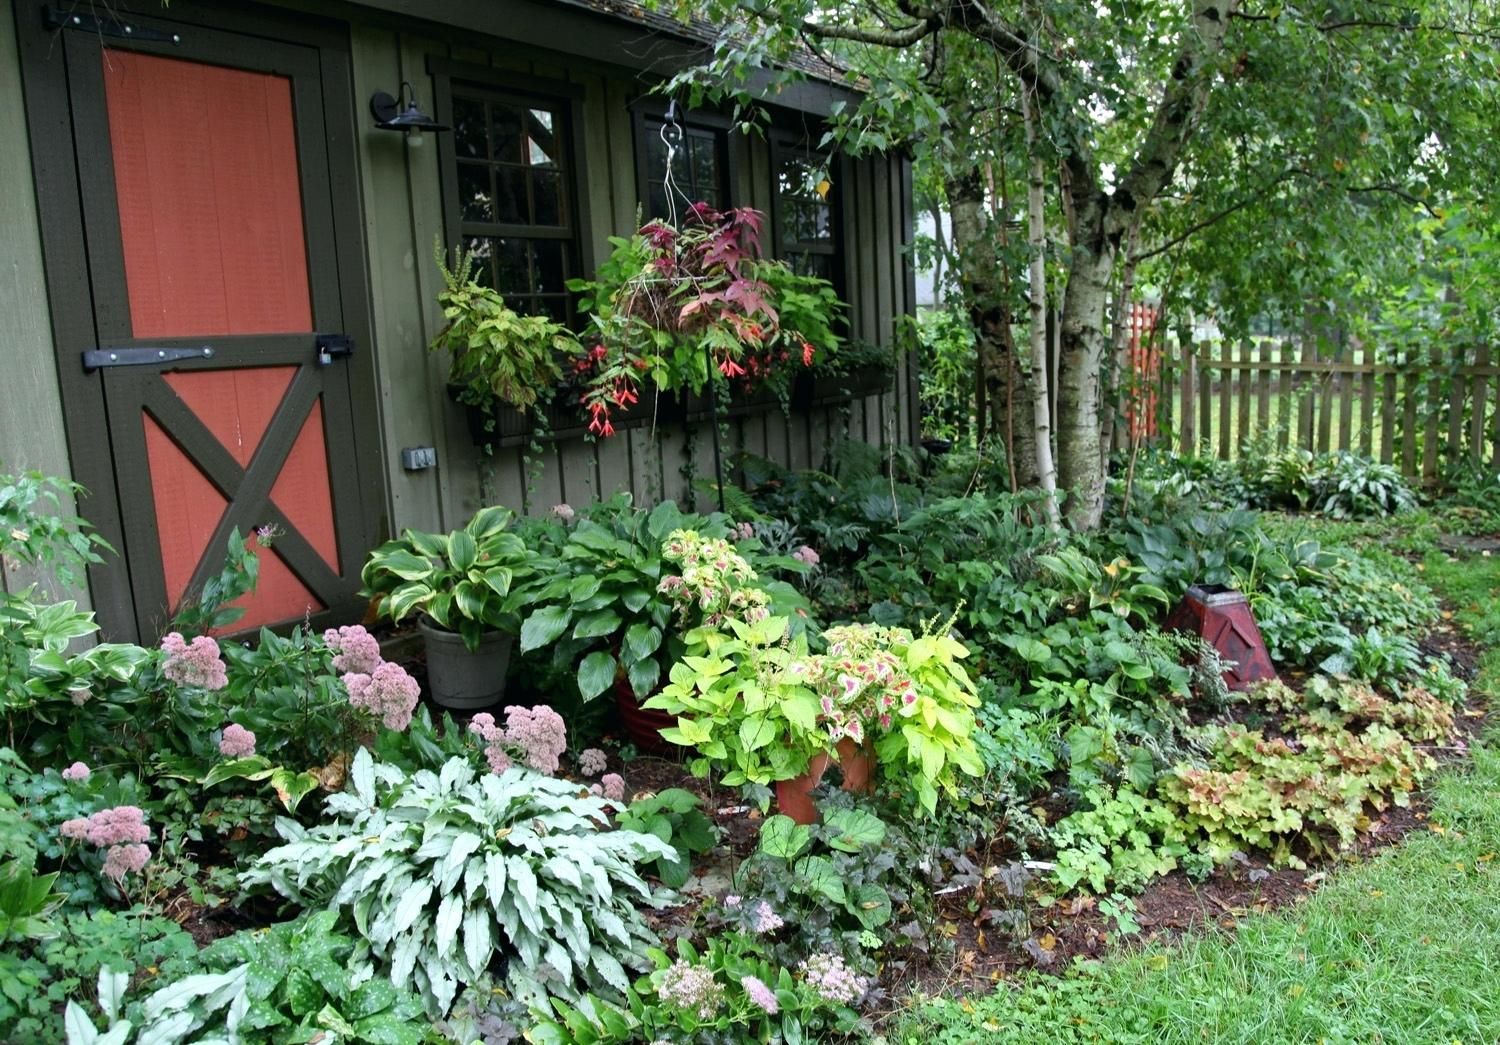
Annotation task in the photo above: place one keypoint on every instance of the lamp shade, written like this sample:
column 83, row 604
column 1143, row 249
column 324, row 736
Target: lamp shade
column 401, row 114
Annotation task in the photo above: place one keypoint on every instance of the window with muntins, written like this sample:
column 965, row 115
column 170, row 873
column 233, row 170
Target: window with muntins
column 807, row 227
column 699, row 169
column 514, row 198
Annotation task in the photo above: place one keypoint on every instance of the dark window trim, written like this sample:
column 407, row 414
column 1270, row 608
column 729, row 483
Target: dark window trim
column 729, row 145
column 561, row 95
column 840, row 172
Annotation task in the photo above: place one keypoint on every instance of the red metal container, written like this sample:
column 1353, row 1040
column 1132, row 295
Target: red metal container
column 1221, row 617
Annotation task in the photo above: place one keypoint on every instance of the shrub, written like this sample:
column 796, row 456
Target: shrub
column 513, row 864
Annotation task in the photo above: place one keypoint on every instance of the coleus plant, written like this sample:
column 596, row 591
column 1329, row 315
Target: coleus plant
column 686, row 305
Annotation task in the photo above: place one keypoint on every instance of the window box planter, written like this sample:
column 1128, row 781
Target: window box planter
column 565, row 419
column 811, row 390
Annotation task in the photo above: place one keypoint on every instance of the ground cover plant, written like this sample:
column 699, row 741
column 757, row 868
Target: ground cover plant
column 1394, row 950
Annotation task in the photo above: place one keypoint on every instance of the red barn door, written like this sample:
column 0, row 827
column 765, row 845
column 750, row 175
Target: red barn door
column 221, row 318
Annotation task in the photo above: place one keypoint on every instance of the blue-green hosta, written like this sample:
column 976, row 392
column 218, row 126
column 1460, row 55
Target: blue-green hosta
column 443, row 871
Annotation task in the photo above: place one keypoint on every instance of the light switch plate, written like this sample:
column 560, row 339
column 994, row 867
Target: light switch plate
column 417, row 458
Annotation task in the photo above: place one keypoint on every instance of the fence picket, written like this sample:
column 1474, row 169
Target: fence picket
column 1481, row 395
column 1226, row 402
column 1457, row 387
column 1367, row 405
column 1387, row 416
column 1430, row 426
column 1263, row 390
column 1186, row 442
column 1243, row 381
column 1205, row 403
column 1284, row 387
column 1346, row 398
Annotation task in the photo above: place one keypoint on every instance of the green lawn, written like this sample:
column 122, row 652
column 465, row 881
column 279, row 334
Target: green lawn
column 1404, row 948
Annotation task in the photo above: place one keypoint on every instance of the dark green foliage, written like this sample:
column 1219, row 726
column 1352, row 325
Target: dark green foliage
column 676, row 817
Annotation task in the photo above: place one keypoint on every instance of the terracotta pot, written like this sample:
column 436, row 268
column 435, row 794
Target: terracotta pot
column 858, row 765
column 794, row 796
column 643, row 725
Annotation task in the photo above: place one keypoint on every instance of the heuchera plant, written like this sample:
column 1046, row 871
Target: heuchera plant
column 678, row 304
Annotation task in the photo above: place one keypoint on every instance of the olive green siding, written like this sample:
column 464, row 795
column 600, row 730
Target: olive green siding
column 404, row 212
column 31, row 418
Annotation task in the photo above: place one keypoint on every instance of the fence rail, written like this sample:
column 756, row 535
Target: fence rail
column 1230, row 398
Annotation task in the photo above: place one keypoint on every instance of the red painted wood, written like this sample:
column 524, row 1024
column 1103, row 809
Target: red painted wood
column 235, row 405
column 188, row 508
column 278, row 597
column 303, row 492
column 210, row 204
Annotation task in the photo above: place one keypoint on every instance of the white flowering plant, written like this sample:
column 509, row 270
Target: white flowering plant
column 727, row 991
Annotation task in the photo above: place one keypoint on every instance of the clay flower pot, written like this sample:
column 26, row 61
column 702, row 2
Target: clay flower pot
column 794, row 797
column 643, row 725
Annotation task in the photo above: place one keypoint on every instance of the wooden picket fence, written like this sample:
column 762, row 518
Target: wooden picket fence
column 1228, row 399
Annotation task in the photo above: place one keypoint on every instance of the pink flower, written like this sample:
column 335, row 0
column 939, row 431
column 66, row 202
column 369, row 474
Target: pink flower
column 120, row 826
column 613, row 785
column 79, row 695
column 833, row 980
column 388, row 692
column 766, row 920
column 731, row 899
column 537, row 736
column 356, row 649
column 592, row 761
column 195, row 664
column 237, row 741
column 77, row 771
column 807, row 555
column 564, row 512
column 761, row 995
column 125, row 859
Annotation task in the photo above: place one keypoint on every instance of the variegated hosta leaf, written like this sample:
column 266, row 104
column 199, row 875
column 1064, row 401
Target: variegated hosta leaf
column 442, row 870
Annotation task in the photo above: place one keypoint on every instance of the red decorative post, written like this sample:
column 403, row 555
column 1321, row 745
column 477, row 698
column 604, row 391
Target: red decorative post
column 1221, row 617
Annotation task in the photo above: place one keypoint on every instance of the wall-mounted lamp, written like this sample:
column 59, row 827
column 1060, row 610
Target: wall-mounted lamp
column 402, row 114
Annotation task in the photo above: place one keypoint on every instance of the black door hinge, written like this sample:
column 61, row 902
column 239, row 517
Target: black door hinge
column 104, row 24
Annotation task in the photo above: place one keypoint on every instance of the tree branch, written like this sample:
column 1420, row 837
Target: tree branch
column 1213, row 219
column 876, row 37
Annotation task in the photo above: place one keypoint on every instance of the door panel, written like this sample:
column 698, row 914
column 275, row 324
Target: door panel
column 208, row 214
column 206, row 181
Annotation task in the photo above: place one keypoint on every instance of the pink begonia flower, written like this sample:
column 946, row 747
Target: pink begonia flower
column 613, row 785
column 194, row 664
column 77, row 771
column 388, row 692
column 357, row 650
column 237, row 741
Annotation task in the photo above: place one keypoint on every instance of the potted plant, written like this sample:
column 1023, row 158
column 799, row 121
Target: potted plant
column 741, row 697
column 468, row 588
column 497, row 356
column 687, row 305
column 603, row 608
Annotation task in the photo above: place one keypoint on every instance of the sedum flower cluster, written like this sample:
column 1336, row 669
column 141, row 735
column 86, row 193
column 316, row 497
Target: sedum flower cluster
column 592, row 761
column 833, row 980
column 536, row 737
column 354, row 648
column 381, row 687
column 237, row 741
column 121, row 831
column 388, row 693
column 715, row 582
column 691, row 987
column 195, row 663
column 78, row 772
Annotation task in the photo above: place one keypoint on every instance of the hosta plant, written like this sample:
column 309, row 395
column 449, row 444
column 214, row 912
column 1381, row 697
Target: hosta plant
column 677, row 818
column 445, row 872
column 466, row 581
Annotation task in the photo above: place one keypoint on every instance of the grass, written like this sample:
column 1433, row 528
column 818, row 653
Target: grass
column 1404, row 948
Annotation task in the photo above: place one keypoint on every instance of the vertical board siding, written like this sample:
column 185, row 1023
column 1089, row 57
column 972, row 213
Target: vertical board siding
column 31, row 423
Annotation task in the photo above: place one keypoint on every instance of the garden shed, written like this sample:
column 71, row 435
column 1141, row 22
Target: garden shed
column 217, row 275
